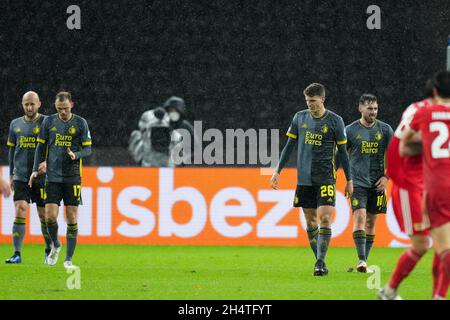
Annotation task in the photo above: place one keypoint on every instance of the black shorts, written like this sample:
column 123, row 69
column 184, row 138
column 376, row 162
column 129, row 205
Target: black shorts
column 370, row 199
column 35, row 194
column 70, row 193
column 312, row 197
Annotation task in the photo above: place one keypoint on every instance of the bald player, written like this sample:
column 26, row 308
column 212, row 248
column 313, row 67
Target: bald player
column 22, row 142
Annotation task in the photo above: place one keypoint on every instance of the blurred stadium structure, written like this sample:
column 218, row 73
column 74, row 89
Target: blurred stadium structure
column 237, row 64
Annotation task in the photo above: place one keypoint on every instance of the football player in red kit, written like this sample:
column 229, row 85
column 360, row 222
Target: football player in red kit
column 433, row 125
column 406, row 174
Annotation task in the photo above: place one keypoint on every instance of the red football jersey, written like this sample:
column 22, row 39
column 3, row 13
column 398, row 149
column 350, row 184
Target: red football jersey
column 405, row 172
column 434, row 124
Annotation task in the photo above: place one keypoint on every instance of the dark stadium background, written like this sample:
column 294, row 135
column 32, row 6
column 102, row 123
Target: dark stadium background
column 238, row 64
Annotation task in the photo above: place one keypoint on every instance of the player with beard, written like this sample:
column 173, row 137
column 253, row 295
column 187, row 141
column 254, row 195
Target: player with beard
column 368, row 139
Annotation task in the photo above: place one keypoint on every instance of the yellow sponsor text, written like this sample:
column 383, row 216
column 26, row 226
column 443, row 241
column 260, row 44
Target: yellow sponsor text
column 313, row 138
column 63, row 140
column 27, row 142
column 369, row 147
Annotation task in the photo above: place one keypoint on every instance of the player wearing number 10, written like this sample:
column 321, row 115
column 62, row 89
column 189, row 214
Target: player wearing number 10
column 368, row 139
column 317, row 133
column 67, row 139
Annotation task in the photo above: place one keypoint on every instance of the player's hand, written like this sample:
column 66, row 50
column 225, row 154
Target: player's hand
column 349, row 189
column 42, row 168
column 33, row 176
column 274, row 180
column 71, row 154
column 381, row 184
column 5, row 188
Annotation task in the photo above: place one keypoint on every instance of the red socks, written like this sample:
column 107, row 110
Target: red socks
column 405, row 265
column 443, row 280
column 436, row 265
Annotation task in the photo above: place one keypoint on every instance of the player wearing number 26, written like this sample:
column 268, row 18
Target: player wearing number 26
column 318, row 134
column 66, row 140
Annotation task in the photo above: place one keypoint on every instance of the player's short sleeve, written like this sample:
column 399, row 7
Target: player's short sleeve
column 86, row 139
column 340, row 134
column 11, row 137
column 293, row 129
column 43, row 133
column 417, row 119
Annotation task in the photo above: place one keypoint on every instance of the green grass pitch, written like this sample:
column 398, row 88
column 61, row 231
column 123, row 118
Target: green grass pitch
column 188, row 272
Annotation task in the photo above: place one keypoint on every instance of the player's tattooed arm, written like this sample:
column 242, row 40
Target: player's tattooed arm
column 285, row 154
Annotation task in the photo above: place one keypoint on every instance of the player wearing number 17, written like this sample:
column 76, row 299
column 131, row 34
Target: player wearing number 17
column 317, row 132
column 67, row 139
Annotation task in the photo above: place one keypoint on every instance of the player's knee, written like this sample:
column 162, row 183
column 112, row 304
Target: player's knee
column 370, row 226
column 421, row 250
column 325, row 222
column 359, row 222
column 421, row 245
column 21, row 209
column 71, row 220
column 50, row 220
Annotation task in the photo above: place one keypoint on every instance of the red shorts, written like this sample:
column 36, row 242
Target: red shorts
column 438, row 207
column 407, row 205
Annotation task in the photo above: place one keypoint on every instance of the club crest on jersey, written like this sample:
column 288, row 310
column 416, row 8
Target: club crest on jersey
column 18, row 130
column 324, row 128
column 36, row 130
column 378, row 135
column 72, row 130
column 359, row 136
column 54, row 129
column 304, row 125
